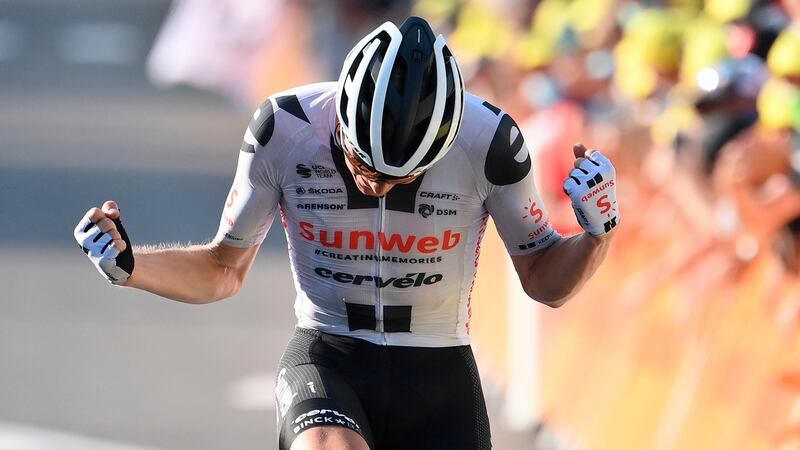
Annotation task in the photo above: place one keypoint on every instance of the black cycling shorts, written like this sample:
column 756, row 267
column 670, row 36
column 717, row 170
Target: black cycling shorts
column 395, row 397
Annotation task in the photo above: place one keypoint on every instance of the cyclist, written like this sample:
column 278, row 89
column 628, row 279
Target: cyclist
column 384, row 182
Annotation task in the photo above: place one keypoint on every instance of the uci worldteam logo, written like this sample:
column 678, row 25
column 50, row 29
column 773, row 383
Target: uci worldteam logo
column 315, row 169
column 303, row 171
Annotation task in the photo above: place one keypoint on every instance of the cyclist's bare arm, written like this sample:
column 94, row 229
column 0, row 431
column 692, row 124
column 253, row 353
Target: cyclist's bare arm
column 198, row 273
column 558, row 272
column 193, row 274
column 190, row 274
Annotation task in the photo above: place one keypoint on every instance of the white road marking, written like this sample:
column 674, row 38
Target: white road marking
column 26, row 437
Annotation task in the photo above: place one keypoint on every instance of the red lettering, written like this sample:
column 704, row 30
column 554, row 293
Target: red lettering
column 231, row 198
column 539, row 230
column 603, row 203
column 396, row 240
column 447, row 244
column 305, row 230
column 337, row 239
column 600, row 189
column 283, row 218
column 369, row 239
column 428, row 244
column 481, row 231
column 366, row 239
column 536, row 212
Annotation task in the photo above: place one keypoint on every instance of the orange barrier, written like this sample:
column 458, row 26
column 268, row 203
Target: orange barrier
column 672, row 345
column 489, row 305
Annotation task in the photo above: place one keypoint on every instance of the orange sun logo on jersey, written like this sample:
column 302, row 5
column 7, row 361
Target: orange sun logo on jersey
column 532, row 210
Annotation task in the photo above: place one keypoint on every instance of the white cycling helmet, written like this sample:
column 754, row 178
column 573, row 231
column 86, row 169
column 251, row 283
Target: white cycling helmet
column 400, row 98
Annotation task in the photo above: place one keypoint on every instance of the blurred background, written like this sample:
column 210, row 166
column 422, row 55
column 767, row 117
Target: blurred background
column 687, row 338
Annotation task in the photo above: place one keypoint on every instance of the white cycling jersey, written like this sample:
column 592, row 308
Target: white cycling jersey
column 395, row 270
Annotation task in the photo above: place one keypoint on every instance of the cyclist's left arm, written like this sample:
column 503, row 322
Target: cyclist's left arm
column 552, row 269
column 556, row 274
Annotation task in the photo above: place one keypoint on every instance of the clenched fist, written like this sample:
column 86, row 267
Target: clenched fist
column 103, row 238
column 592, row 187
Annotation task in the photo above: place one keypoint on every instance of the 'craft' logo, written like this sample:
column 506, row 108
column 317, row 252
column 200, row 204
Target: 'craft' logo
column 440, row 195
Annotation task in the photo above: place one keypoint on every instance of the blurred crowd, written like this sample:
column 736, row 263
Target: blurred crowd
column 698, row 105
column 697, row 102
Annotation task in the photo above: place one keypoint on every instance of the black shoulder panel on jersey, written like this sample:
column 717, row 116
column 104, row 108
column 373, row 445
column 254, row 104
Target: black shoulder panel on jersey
column 501, row 168
column 492, row 108
column 355, row 199
column 403, row 197
column 261, row 127
column 291, row 104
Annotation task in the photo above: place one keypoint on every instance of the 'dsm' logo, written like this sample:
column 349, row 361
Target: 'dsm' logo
column 425, row 210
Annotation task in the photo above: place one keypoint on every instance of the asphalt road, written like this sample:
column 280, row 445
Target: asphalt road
column 79, row 355
column 80, row 360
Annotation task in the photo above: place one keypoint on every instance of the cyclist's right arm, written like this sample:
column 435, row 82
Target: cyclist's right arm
column 195, row 274
column 198, row 273
column 191, row 274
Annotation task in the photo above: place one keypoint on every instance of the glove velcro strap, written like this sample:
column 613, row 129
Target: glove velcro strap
column 125, row 258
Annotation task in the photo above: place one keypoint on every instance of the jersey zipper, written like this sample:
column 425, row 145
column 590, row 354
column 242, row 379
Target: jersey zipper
column 379, row 302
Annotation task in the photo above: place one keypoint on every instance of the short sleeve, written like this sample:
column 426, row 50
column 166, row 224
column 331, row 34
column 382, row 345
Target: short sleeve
column 254, row 197
column 512, row 199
